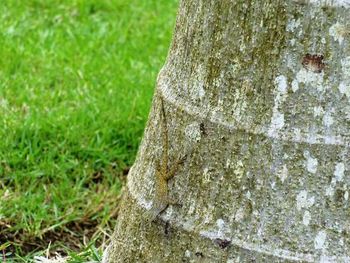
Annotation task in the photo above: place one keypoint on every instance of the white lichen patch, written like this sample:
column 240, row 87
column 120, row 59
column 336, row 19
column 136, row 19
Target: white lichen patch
column 283, row 173
column 277, row 119
column 311, row 163
column 320, row 240
column 282, row 86
column 328, row 259
column 295, row 85
column 339, row 171
column 239, row 216
column 201, row 91
column 306, row 218
column 222, row 227
column 342, row 3
column 273, row 185
column 303, row 201
column 277, row 122
column 331, row 188
column 345, row 63
column 344, row 88
column 346, row 195
column 297, row 134
column 293, row 24
column 338, row 32
column 328, row 119
column 344, row 85
column 311, row 78
column 292, row 42
column 188, row 253
column 318, row 111
column 193, row 132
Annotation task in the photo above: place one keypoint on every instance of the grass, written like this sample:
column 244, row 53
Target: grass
column 76, row 82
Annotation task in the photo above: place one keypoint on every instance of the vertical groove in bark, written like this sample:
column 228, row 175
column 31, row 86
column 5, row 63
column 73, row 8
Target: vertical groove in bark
column 257, row 95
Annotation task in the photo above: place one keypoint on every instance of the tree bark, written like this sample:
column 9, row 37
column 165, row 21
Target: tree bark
column 256, row 96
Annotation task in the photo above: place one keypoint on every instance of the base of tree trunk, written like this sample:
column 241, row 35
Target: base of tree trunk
column 135, row 240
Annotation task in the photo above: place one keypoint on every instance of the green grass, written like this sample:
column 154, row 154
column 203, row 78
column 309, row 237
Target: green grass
column 76, row 82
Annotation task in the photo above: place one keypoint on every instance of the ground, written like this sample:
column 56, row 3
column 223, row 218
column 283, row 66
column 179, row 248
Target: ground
column 76, row 82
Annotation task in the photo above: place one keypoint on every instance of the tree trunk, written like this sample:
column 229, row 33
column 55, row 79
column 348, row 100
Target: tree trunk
column 256, row 100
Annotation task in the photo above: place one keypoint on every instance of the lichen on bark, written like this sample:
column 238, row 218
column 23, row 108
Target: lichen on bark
column 256, row 93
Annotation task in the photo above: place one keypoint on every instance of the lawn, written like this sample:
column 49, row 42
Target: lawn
column 76, row 82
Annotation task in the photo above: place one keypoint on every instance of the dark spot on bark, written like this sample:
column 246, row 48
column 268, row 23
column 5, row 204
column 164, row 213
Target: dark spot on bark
column 203, row 129
column 338, row 197
column 167, row 228
column 313, row 63
column 222, row 243
column 345, row 232
column 199, row 254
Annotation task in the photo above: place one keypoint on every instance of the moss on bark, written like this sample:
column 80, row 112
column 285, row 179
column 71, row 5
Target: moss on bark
column 257, row 95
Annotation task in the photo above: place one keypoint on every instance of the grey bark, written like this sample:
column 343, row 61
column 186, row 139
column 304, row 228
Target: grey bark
column 256, row 94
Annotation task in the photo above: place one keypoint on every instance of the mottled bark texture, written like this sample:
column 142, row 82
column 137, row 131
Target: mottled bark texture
column 256, row 95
